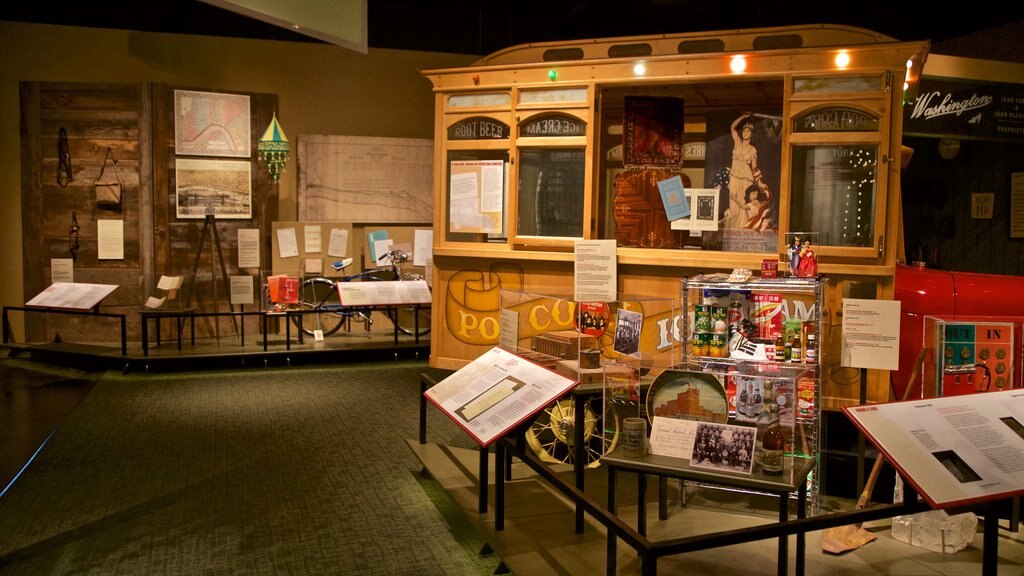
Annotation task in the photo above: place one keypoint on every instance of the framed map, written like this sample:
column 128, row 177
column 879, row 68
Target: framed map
column 365, row 179
column 211, row 124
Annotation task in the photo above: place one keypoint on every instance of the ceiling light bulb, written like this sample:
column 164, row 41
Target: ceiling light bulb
column 738, row 64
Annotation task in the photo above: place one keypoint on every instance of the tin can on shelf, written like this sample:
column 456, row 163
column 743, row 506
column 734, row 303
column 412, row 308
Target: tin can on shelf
column 718, row 346
column 701, row 318
column 701, row 343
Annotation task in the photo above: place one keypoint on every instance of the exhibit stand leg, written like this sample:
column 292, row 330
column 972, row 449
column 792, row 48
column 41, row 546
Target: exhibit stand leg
column 210, row 227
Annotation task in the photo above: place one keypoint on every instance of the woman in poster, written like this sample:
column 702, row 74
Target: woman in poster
column 741, row 173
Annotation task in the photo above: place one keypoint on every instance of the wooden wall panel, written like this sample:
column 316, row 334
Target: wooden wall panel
column 137, row 123
column 96, row 117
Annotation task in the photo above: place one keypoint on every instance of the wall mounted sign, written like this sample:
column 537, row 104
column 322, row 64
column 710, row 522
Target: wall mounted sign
column 958, row 109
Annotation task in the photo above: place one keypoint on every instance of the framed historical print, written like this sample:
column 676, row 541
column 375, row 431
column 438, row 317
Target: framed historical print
column 222, row 188
column 211, row 124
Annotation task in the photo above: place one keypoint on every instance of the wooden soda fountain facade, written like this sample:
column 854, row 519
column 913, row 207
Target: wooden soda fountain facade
column 771, row 132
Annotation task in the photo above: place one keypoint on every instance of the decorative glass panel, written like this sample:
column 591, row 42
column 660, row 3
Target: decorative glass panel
column 829, row 84
column 479, row 100
column 552, row 125
column 834, row 189
column 551, row 192
column 478, row 128
column 836, row 119
column 552, row 96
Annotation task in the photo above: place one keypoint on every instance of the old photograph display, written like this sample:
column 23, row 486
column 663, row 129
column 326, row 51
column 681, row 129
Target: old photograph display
column 222, row 188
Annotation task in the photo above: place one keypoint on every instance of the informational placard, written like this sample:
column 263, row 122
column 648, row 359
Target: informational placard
column 287, row 243
column 62, row 270
column 954, row 450
column 110, row 239
column 241, row 290
column 311, row 239
column 508, row 338
column 496, row 392
column 72, row 296
column 384, row 293
column 595, row 271
column 476, row 196
column 338, row 245
column 249, row 248
column 422, row 247
column 871, row 334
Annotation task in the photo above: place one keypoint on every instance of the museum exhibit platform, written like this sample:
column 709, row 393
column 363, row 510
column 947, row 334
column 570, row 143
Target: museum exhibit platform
column 538, row 536
column 180, row 349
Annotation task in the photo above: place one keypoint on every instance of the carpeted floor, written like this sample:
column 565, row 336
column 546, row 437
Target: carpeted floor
column 258, row 471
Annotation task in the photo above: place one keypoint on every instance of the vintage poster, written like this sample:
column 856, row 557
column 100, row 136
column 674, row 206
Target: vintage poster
column 652, row 132
column 743, row 162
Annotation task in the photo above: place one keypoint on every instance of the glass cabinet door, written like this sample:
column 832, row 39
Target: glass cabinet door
column 551, row 192
column 838, row 175
column 834, row 193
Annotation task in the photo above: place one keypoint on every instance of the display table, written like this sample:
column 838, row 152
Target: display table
column 793, row 479
column 90, row 313
column 190, row 314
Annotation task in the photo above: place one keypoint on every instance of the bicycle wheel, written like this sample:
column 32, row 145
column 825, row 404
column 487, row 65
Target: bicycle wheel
column 321, row 295
column 405, row 320
column 552, row 437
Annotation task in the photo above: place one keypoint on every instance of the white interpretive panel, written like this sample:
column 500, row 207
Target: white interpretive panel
column 954, row 450
column 72, row 296
column 383, row 293
column 496, row 392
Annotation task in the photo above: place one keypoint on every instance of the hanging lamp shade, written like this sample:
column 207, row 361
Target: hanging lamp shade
column 273, row 148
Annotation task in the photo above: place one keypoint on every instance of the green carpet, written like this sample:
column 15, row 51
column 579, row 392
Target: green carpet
column 260, row 471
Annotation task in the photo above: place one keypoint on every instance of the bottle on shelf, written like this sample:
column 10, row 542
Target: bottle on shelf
column 774, row 443
column 734, row 316
column 780, row 347
column 811, row 352
column 796, row 349
column 769, row 439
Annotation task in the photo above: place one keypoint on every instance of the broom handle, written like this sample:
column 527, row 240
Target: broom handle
column 865, row 495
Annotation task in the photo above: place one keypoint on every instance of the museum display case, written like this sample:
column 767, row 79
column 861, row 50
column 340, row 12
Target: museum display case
column 601, row 345
column 748, row 345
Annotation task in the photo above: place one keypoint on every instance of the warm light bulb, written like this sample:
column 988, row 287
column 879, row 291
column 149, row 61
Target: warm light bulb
column 738, row 64
column 842, row 59
column 639, row 69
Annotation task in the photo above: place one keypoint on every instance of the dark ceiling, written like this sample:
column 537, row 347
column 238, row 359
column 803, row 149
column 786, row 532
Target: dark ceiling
column 485, row 26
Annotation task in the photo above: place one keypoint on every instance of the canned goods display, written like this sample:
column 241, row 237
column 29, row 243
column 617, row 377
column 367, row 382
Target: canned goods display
column 718, row 346
column 719, row 314
column 701, row 318
column 701, row 343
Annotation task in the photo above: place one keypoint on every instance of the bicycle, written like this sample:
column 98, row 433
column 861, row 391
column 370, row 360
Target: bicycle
column 320, row 296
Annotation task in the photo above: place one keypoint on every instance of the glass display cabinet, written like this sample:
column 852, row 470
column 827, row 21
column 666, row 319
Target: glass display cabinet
column 602, row 345
column 752, row 343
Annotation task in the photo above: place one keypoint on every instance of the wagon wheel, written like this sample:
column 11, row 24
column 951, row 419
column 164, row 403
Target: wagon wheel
column 552, row 437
